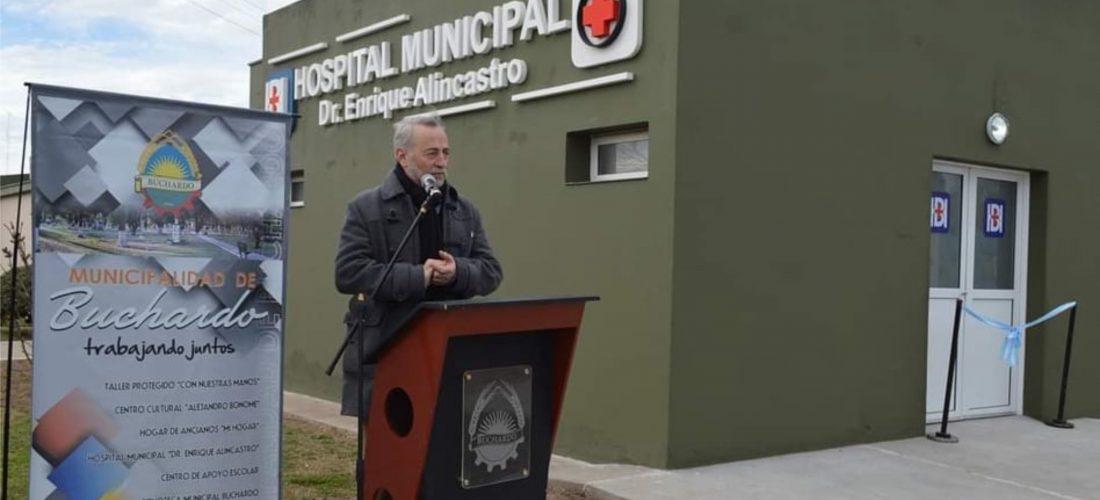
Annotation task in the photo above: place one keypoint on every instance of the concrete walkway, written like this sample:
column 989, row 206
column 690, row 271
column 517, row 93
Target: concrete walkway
column 17, row 350
column 1003, row 458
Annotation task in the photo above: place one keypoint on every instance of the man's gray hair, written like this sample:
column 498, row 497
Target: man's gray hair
column 402, row 130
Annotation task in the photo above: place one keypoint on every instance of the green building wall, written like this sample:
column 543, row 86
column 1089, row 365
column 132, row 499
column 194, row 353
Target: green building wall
column 806, row 133
column 765, row 290
column 613, row 240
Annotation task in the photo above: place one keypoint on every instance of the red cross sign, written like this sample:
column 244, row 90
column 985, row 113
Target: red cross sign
column 605, row 31
column 273, row 101
column 279, row 92
column 599, row 15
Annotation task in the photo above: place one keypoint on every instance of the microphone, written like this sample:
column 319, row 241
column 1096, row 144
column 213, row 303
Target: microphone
column 430, row 185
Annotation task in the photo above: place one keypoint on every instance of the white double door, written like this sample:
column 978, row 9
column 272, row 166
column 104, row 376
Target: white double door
column 978, row 223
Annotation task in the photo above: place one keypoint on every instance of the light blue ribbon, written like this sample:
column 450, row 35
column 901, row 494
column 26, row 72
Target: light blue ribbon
column 1011, row 347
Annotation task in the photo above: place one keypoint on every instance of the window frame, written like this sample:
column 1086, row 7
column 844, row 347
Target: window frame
column 297, row 176
column 615, row 138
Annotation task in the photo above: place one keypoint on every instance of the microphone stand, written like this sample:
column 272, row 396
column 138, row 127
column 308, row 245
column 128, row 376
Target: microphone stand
column 356, row 330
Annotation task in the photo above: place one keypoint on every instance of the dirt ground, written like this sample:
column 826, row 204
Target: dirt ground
column 559, row 494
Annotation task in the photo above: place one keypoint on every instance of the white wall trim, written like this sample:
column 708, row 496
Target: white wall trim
column 317, row 47
column 567, row 88
column 465, row 108
column 374, row 28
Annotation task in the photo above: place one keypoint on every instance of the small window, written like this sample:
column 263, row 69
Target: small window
column 297, row 188
column 619, row 156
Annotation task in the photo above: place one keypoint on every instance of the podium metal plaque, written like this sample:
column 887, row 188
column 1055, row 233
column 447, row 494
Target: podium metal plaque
column 496, row 425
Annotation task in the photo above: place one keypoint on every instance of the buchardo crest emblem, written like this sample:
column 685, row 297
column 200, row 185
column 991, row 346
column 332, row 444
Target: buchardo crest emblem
column 168, row 176
column 496, row 426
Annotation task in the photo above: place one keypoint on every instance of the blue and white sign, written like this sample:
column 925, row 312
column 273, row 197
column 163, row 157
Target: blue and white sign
column 994, row 218
column 278, row 91
column 158, row 298
column 941, row 206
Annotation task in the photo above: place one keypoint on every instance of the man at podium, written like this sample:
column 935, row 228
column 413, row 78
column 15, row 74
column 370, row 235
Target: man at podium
column 446, row 257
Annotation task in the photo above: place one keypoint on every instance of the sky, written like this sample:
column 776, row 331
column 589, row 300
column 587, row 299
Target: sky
column 193, row 50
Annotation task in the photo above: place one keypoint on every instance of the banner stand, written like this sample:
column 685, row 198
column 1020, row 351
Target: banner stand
column 159, row 291
column 16, row 239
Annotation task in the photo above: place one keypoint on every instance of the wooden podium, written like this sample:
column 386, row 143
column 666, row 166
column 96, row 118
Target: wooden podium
column 467, row 399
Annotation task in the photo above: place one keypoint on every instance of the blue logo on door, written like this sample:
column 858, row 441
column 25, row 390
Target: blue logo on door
column 941, row 205
column 994, row 218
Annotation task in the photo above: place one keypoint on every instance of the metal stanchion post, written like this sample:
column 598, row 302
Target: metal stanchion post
column 942, row 436
column 1060, row 420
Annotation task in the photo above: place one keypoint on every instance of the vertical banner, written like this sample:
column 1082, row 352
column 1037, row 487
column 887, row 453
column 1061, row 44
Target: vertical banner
column 159, row 251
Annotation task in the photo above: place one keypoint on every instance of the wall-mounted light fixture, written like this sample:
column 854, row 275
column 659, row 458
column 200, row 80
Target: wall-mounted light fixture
column 996, row 128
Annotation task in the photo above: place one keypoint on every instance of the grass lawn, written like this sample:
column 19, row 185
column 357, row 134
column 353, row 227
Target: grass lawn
column 318, row 461
column 24, row 333
column 19, row 442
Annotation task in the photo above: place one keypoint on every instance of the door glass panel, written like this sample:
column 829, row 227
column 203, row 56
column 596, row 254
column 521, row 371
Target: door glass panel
column 995, row 235
column 945, row 217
